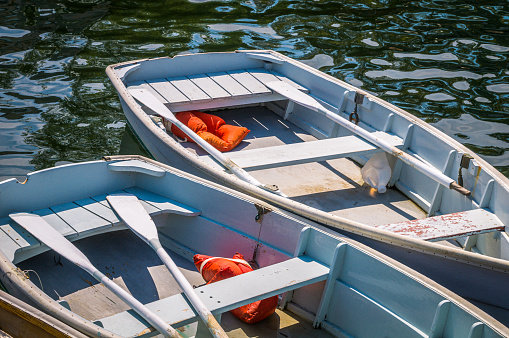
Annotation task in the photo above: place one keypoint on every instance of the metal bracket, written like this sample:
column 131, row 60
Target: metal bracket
column 261, row 211
column 464, row 163
column 359, row 99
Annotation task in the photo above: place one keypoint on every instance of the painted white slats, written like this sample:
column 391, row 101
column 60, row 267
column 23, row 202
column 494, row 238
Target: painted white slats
column 79, row 218
column 262, row 75
column 188, row 88
column 18, row 234
column 99, row 209
column 201, row 88
column 290, row 82
column 249, row 82
column 82, row 218
column 56, row 222
column 8, row 245
column 229, row 84
column 168, row 91
column 144, row 85
column 209, row 86
column 164, row 204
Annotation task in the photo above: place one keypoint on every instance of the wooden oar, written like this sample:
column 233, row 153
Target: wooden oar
column 148, row 100
column 305, row 100
column 38, row 227
column 130, row 210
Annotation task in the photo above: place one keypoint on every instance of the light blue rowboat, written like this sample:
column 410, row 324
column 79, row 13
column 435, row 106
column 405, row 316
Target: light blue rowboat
column 326, row 280
column 301, row 141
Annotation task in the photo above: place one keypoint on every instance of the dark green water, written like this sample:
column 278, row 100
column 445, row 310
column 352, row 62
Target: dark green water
column 444, row 61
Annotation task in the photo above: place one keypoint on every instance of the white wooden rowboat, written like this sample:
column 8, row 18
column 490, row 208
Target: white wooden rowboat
column 300, row 143
column 328, row 281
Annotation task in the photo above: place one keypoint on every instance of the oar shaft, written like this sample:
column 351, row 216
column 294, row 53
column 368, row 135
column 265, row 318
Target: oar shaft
column 137, row 306
column 147, row 99
column 225, row 161
column 308, row 101
column 210, row 321
column 425, row 169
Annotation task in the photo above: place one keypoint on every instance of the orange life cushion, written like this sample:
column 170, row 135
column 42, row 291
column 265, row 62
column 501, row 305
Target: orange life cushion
column 189, row 119
column 214, row 269
column 211, row 128
column 231, row 135
column 212, row 122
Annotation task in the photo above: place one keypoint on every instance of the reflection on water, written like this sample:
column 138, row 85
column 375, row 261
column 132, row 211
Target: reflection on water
column 445, row 62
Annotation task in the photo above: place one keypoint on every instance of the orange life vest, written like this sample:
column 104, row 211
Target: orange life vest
column 214, row 269
column 211, row 128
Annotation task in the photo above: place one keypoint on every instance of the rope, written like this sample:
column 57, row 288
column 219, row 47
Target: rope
column 241, row 261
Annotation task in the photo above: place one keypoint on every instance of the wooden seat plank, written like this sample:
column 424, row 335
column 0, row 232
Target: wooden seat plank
column 227, row 82
column 146, row 86
column 56, row 222
column 165, row 205
column 80, row 219
column 305, row 152
column 16, row 232
column 262, row 75
column 152, row 210
column 8, row 245
column 188, row 88
column 225, row 295
column 210, row 87
column 466, row 223
column 168, row 91
column 249, row 82
column 289, row 81
column 99, row 209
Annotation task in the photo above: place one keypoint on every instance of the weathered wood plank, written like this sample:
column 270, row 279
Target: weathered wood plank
column 16, row 232
column 168, row 91
column 305, row 152
column 80, row 219
column 56, row 222
column 98, row 209
column 210, row 87
column 229, row 84
column 262, row 75
column 188, row 88
column 144, row 85
column 162, row 203
column 102, row 200
column 7, row 244
column 289, row 81
column 448, row 226
column 249, row 82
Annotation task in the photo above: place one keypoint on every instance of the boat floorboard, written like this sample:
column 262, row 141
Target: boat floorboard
column 132, row 265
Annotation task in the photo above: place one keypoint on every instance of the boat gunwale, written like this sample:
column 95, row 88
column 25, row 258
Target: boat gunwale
column 313, row 213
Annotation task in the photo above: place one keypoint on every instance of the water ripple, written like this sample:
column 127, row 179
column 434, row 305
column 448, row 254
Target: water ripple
column 444, row 62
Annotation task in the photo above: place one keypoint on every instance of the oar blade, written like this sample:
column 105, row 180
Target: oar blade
column 45, row 233
column 147, row 99
column 293, row 94
column 134, row 215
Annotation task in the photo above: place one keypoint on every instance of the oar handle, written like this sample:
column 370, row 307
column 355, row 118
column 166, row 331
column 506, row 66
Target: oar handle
column 459, row 188
column 136, row 305
column 210, row 321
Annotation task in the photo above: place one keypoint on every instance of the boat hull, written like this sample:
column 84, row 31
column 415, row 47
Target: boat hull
column 218, row 221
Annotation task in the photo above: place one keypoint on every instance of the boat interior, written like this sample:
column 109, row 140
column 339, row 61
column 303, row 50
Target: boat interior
column 332, row 185
column 316, row 161
column 322, row 280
